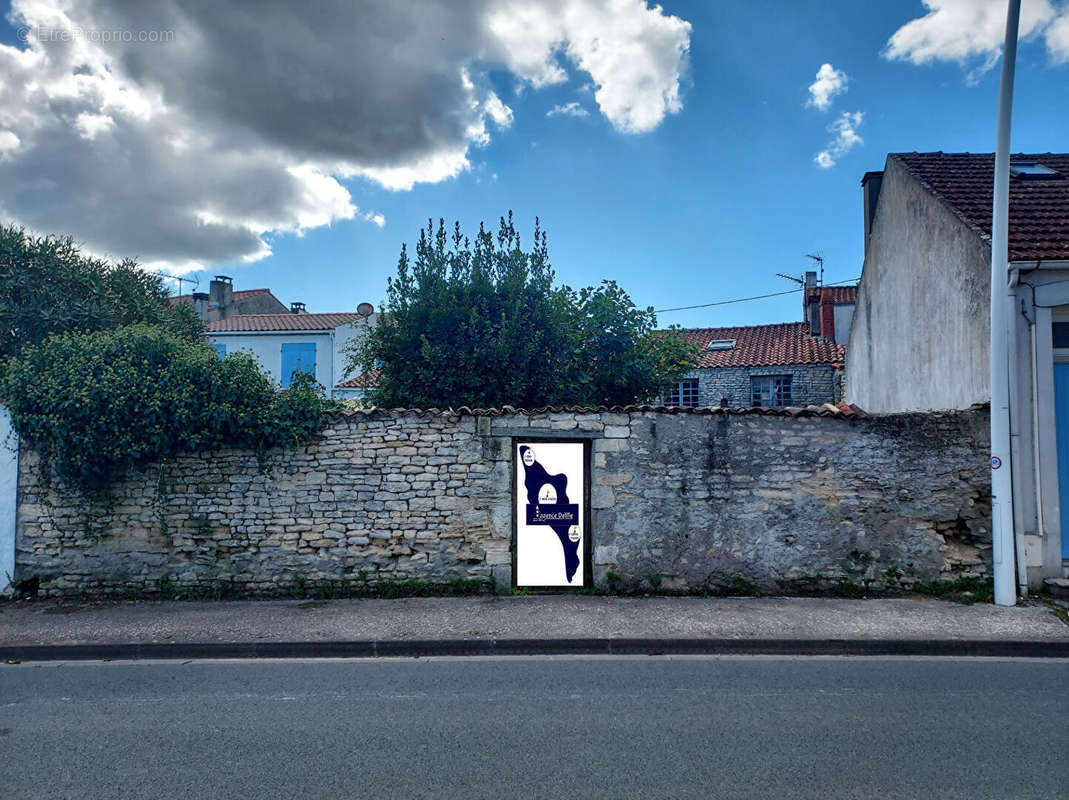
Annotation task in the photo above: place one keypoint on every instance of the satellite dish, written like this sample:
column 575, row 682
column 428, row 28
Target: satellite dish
column 365, row 309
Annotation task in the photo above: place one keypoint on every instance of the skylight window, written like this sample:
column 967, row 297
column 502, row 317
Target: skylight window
column 722, row 344
column 1033, row 169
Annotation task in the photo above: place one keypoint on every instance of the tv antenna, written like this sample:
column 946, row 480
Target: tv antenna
column 799, row 281
column 194, row 281
column 820, row 262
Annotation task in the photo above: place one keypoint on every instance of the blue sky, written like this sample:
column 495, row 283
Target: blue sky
column 708, row 205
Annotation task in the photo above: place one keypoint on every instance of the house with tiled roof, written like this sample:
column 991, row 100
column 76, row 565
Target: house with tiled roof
column 294, row 341
column 283, row 340
column 222, row 301
column 920, row 335
column 784, row 364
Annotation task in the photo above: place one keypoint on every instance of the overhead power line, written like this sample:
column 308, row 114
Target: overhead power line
column 745, row 299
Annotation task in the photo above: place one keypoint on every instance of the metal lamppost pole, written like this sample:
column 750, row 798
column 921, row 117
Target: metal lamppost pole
column 1002, row 535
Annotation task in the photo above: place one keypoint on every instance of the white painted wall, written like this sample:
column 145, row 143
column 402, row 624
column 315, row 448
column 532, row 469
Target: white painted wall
column 919, row 335
column 267, row 349
column 9, row 479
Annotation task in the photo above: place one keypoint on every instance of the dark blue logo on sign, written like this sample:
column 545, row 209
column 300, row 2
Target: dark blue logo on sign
column 553, row 514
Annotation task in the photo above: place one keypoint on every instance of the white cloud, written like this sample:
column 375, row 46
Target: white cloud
column 246, row 120
column 829, row 83
column 572, row 109
column 636, row 56
column 9, row 142
column 1057, row 37
column 846, row 138
column 960, row 30
column 89, row 125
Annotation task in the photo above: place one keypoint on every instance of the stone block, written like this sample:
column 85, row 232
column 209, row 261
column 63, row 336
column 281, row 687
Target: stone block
column 602, row 497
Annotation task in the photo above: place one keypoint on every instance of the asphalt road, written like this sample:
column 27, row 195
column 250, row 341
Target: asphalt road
column 537, row 727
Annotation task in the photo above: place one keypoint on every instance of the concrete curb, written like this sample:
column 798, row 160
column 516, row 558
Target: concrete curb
column 417, row 648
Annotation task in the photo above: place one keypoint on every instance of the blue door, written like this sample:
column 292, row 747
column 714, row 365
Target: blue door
column 1061, row 418
column 299, row 356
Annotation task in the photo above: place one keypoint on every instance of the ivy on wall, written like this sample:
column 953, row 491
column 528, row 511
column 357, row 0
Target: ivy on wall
column 96, row 405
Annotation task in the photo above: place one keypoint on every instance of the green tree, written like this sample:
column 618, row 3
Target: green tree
column 482, row 324
column 47, row 286
column 96, row 405
column 617, row 354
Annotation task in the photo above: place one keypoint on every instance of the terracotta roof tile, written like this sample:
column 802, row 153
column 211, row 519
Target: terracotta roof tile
column 1039, row 207
column 841, row 411
column 781, row 344
column 281, row 322
column 366, row 380
column 832, row 294
column 839, row 294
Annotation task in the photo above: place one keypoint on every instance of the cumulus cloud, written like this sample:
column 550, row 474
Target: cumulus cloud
column 960, row 30
column 572, row 109
column 1057, row 37
column 203, row 128
column 829, row 83
column 846, row 139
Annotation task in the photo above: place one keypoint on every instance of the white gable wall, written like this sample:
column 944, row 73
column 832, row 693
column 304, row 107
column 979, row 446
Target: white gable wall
column 919, row 334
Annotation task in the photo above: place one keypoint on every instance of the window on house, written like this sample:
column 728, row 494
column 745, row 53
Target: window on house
column 722, row 344
column 220, row 349
column 297, row 357
column 683, row 394
column 1060, row 332
column 771, row 390
column 1031, row 169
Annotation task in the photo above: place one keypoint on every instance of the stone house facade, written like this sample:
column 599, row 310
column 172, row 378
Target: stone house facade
column 760, row 365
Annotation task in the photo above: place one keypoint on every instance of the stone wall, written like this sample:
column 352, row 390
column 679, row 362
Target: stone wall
column 701, row 500
column 811, row 384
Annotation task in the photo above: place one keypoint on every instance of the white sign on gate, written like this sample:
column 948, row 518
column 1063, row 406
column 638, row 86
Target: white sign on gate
column 550, row 515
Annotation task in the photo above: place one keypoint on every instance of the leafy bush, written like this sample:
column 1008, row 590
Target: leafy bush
column 96, row 405
column 47, row 286
column 480, row 323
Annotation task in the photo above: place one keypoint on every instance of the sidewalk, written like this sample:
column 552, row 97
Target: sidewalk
column 524, row 625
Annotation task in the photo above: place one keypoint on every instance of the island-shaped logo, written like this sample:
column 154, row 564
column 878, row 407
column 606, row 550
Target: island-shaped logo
column 548, row 504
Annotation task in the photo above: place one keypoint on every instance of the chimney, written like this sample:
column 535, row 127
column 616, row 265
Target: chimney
column 297, row 308
column 200, row 305
column 811, row 303
column 870, row 188
column 827, row 315
column 220, row 297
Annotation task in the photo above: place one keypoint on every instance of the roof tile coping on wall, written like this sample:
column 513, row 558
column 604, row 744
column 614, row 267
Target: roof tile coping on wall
column 842, row 411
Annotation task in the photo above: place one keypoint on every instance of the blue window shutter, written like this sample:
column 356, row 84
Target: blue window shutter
column 220, row 349
column 297, row 356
